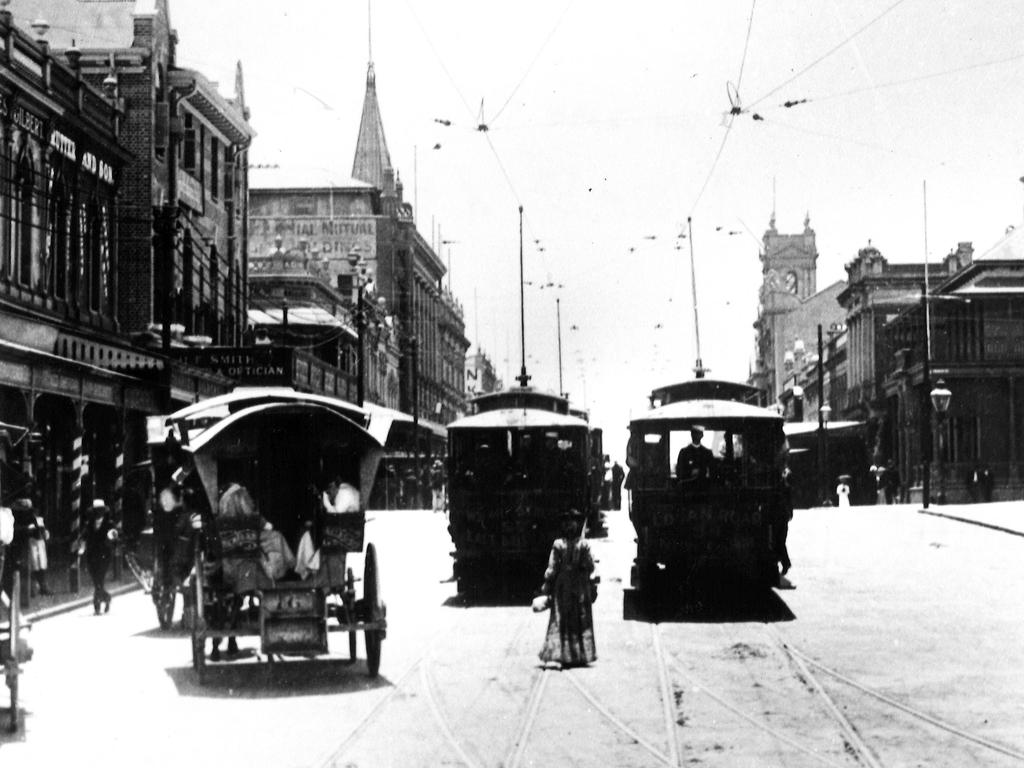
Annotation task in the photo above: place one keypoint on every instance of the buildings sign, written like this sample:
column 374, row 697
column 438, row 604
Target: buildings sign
column 97, row 167
column 27, row 121
column 330, row 237
column 63, row 144
column 262, row 365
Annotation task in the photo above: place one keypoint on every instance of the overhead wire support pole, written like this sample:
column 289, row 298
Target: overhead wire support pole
column 558, row 318
column 523, row 378
column 699, row 369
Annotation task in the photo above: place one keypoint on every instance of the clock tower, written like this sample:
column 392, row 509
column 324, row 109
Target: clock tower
column 789, row 262
column 789, row 280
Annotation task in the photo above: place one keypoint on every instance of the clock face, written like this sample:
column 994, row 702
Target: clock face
column 791, row 282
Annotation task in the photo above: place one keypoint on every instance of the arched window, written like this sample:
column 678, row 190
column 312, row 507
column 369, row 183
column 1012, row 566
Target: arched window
column 57, row 236
column 93, row 256
column 22, row 224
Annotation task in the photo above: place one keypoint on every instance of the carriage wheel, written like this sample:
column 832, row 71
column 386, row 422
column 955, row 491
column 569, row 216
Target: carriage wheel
column 371, row 596
column 373, row 643
column 199, row 656
column 12, row 683
column 350, row 586
column 165, row 607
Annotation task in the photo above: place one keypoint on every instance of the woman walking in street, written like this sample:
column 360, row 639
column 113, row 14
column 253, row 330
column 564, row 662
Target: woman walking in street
column 569, row 593
column 98, row 541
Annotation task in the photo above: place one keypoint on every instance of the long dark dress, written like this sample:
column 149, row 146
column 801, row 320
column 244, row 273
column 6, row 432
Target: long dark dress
column 570, row 637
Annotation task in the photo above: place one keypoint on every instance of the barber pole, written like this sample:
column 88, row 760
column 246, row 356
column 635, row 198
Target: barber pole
column 118, row 505
column 77, row 471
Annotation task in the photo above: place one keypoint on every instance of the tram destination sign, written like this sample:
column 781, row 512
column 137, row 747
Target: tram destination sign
column 248, row 365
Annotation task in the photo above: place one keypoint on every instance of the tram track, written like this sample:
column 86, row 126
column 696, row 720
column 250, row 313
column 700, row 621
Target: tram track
column 805, row 662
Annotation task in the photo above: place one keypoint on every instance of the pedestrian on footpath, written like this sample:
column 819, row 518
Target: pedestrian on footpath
column 437, row 485
column 37, row 559
column 843, row 491
column 18, row 550
column 569, row 590
column 97, row 544
column 618, row 475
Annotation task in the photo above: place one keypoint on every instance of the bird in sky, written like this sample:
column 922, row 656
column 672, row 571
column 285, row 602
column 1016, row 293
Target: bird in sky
column 650, row 237
column 442, row 121
column 437, row 146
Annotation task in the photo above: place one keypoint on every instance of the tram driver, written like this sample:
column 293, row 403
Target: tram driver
column 694, row 462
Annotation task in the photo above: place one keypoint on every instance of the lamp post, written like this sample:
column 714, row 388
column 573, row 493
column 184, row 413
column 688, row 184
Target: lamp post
column 824, row 412
column 941, row 397
column 355, row 260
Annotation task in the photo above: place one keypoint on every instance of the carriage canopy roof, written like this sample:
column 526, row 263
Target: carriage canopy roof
column 246, row 397
column 242, row 433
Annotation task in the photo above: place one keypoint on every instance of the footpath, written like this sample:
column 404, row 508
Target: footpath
column 1004, row 516
column 38, row 606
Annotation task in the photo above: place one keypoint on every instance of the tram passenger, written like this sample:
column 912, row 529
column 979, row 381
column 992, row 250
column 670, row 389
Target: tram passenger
column 694, row 462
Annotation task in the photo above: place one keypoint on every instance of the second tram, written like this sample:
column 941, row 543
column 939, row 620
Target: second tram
column 718, row 517
column 515, row 466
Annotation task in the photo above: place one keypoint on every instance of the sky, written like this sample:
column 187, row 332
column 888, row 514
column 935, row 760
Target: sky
column 608, row 122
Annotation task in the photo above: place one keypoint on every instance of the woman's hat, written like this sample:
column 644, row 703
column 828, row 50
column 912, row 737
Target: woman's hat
column 99, row 505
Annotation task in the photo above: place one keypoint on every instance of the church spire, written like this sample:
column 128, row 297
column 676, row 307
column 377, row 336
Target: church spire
column 372, row 162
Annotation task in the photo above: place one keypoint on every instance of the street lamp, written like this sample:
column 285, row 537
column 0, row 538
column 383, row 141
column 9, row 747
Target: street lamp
column 824, row 412
column 941, row 397
column 355, row 260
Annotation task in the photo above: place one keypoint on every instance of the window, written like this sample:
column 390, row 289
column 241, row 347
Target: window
column 214, row 168
column 93, row 258
column 23, row 223
column 188, row 156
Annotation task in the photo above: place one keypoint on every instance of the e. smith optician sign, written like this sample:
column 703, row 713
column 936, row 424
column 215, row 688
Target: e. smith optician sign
column 250, row 365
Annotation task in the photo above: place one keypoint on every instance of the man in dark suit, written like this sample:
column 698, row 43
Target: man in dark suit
column 693, row 465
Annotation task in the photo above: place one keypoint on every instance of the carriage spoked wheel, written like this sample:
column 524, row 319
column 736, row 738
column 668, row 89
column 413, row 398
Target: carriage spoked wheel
column 12, row 683
column 375, row 609
column 349, row 599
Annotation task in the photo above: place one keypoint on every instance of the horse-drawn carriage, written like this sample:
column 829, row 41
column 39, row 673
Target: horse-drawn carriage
column 254, row 464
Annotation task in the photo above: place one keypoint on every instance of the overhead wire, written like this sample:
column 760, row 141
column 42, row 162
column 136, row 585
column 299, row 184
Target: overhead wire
column 896, row 83
column 537, row 56
column 733, row 112
column 829, row 52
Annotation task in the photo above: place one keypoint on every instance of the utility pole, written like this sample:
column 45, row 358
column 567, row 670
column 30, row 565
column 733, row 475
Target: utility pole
column 822, row 466
column 926, row 411
column 522, row 377
column 558, row 315
column 414, row 344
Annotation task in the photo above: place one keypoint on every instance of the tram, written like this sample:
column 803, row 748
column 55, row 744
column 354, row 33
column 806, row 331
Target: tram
column 721, row 519
column 514, row 467
column 254, row 463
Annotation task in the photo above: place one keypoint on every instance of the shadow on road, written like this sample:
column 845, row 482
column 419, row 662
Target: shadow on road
column 260, row 680
column 177, row 632
column 496, row 599
column 707, row 607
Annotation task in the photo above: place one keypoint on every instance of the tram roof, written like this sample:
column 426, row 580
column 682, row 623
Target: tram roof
column 521, row 397
column 700, row 411
column 709, row 389
column 516, row 418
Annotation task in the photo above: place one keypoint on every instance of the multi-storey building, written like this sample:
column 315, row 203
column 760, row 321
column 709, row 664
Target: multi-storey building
column 790, row 307
column 62, row 166
column 975, row 310
column 363, row 227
